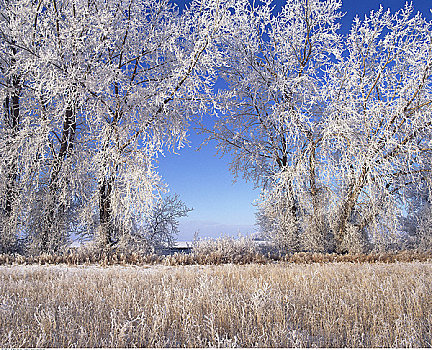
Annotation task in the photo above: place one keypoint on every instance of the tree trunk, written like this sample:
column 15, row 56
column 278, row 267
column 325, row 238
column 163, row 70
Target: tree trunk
column 12, row 123
column 105, row 212
column 66, row 146
column 322, row 239
column 12, row 119
column 345, row 214
column 106, row 183
column 353, row 193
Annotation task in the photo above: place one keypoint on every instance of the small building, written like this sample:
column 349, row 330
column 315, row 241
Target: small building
column 184, row 247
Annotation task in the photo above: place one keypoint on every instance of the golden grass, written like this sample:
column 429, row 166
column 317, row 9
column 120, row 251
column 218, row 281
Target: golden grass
column 213, row 256
column 273, row 305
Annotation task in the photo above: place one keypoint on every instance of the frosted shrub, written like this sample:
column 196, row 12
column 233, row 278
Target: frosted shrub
column 355, row 241
column 8, row 238
column 424, row 235
column 225, row 249
column 316, row 236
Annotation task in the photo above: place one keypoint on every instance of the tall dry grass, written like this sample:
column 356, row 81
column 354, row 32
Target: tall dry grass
column 209, row 252
column 273, row 305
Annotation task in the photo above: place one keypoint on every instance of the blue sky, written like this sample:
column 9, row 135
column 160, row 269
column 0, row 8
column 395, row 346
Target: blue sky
column 203, row 180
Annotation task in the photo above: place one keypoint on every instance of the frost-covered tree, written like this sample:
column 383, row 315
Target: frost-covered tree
column 379, row 122
column 15, row 96
column 417, row 216
column 161, row 228
column 157, row 67
column 52, row 59
column 11, row 82
column 110, row 84
column 62, row 29
column 333, row 129
column 271, row 115
column 158, row 230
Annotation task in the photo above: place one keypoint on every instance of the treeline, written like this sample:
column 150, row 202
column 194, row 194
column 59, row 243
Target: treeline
column 335, row 129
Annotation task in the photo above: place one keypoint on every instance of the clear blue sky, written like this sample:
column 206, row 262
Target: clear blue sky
column 203, row 180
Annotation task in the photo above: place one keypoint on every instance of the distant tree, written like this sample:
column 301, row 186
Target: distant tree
column 161, row 228
column 156, row 231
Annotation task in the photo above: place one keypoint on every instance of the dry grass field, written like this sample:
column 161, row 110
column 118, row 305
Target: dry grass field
column 273, row 305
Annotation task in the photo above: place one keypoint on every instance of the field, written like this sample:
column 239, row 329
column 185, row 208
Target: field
column 271, row 305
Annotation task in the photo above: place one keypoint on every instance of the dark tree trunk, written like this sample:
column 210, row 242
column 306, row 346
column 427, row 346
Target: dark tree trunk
column 11, row 106
column 12, row 122
column 348, row 208
column 107, row 226
column 293, row 206
column 105, row 212
column 11, row 115
column 66, row 147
